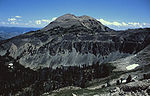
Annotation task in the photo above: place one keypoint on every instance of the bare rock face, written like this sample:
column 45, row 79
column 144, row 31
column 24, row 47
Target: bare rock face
column 74, row 40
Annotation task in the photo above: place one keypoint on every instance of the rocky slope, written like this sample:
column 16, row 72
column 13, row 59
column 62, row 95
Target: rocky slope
column 74, row 40
column 138, row 85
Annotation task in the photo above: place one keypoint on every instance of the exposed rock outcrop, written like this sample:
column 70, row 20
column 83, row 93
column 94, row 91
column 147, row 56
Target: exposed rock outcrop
column 74, row 40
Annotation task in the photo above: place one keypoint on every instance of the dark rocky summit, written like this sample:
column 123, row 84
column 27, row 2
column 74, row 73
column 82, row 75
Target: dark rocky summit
column 74, row 40
column 69, row 20
column 76, row 55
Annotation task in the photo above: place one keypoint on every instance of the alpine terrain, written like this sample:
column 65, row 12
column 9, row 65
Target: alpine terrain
column 76, row 56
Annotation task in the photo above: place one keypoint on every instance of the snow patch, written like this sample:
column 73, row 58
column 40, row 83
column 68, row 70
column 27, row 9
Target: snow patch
column 96, row 95
column 124, row 63
column 11, row 64
column 131, row 67
column 124, row 81
column 74, row 94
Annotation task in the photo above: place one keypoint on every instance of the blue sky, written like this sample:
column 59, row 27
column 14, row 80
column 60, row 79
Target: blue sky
column 117, row 14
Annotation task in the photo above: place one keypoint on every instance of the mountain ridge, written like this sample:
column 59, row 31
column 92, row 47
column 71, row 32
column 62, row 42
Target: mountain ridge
column 74, row 45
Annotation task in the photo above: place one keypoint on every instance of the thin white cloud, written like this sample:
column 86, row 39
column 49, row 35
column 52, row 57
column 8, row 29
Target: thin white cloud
column 104, row 22
column 124, row 24
column 15, row 18
column 135, row 24
column 14, row 23
column 11, row 19
column 116, row 23
column 38, row 22
column 44, row 21
column 4, row 23
column 54, row 18
column 18, row 16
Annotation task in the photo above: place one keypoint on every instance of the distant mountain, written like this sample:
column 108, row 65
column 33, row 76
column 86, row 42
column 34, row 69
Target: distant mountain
column 76, row 51
column 1, row 38
column 8, row 32
column 74, row 40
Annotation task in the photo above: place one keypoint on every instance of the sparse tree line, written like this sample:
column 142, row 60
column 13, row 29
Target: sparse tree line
column 14, row 80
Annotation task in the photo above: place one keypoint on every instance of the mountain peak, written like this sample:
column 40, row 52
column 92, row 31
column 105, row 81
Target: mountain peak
column 85, row 17
column 66, row 16
column 68, row 20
